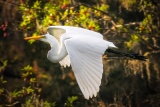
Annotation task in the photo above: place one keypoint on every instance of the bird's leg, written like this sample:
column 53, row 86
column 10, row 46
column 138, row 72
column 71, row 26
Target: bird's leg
column 130, row 55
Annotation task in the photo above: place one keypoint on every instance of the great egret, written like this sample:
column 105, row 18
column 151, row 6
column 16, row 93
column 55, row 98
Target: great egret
column 83, row 49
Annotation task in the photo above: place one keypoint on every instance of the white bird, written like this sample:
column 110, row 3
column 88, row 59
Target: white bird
column 83, row 50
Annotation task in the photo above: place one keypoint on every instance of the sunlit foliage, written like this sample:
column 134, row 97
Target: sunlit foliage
column 28, row 79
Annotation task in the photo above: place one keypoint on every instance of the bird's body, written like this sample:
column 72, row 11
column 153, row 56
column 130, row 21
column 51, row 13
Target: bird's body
column 61, row 34
column 83, row 50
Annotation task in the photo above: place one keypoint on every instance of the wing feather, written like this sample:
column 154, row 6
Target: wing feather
column 83, row 85
column 89, row 84
column 65, row 62
column 86, row 60
column 80, row 79
column 92, row 73
column 94, row 87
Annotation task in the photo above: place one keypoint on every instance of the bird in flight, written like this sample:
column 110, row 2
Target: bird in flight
column 83, row 50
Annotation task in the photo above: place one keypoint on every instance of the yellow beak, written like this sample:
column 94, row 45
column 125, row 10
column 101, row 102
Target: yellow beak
column 33, row 37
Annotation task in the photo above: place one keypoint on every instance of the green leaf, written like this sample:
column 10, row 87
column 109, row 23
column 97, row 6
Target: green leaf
column 70, row 100
column 29, row 90
column 27, row 68
column 47, row 104
column 4, row 64
column 32, row 80
column 1, row 90
column 134, row 38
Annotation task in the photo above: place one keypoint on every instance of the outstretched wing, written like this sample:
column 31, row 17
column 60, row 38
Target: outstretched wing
column 56, row 32
column 86, row 60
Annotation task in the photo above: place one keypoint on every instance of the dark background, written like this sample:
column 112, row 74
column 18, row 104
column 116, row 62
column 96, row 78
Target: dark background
column 133, row 26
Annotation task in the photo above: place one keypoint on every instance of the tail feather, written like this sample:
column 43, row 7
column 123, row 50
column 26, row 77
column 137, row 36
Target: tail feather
column 130, row 55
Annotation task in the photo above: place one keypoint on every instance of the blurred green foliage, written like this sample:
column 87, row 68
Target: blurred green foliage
column 29, row 94
column 59, row 13
column 132, row 25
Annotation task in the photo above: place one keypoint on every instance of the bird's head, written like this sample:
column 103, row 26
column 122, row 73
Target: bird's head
column 47, row 38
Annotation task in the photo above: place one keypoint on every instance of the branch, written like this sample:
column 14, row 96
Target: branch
column 94, row 8
column 11, row 105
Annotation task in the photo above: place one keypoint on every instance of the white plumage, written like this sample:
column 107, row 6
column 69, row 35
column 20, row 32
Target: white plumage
column 81, row 48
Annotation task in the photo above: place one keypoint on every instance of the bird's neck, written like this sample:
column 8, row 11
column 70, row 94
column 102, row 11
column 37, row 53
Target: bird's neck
column 56, row 53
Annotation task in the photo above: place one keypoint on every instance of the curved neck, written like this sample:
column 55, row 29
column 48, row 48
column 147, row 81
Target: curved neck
column 56, row 54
